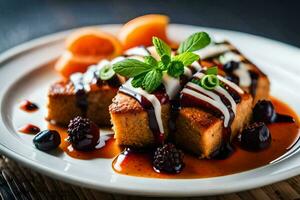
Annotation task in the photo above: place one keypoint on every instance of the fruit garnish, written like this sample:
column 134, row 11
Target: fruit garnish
column 68, row 63
column 168, row 159
column 140, row 30
column 256, row 136
column 83, row 134
column 86, row 47
column 47, row 140
column 93, row 42
column 148, row 74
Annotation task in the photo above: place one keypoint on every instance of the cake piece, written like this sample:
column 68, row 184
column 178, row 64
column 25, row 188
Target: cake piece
column 198, row 129
column 131, row 122
column 237, row 68
column 201, row 132
column 63, row 103
column 87, row 95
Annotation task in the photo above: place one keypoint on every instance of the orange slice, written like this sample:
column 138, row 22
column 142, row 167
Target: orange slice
column 139, row 31
column 68, row 63
column 93, row 42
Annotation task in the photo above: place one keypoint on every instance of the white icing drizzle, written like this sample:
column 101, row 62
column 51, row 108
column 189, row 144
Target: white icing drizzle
column 242, row 71
column 213, row 98
column 199, row 75
column 172, row 85
column 117, row 59
column 243, row 74
column 77, row 79
column 150, row 97
column 228, row 96
column 188, row 72
column 231, row 84
column 216, row 97
column 230, row 56
column 212, row 50
column 137, row 51
column 196, row 65
column 214, row 103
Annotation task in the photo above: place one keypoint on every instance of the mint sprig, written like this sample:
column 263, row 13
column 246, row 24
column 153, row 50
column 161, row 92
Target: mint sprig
column 187, row 58
column 137, row 81
column 176, row 68
column 194, row 42
column 150, row 60
column 161, row 47
column 152, row 80
column 149, row 74
column 131, row 67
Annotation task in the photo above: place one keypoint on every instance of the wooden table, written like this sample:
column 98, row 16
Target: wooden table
column 18, row 182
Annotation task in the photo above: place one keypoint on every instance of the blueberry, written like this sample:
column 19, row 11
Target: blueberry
column 256, row 137
column 47, row 140
column 230, row 66
column 264, row 111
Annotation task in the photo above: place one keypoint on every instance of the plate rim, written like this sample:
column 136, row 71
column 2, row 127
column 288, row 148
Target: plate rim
column 37, row 43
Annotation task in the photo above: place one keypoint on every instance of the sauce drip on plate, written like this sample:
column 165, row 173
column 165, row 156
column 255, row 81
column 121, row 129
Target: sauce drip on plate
column 28, row 106
column 29, row 129
column 107, row 149
column 284, row 135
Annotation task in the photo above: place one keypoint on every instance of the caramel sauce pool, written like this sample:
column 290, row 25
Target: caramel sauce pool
column 110, row 150
column 284, row 135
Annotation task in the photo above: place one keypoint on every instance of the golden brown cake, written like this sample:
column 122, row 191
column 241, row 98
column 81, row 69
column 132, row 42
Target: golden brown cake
column 131, row 121
column 62, row 103
column 200, row 132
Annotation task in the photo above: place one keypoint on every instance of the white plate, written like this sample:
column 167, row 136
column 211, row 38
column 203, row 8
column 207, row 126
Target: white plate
column 23, row 77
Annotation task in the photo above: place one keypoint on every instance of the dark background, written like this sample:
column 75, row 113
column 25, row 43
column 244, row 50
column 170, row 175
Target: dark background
column 22, row 20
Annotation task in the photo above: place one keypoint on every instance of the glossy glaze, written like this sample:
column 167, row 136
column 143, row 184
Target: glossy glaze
column 139, row 163
column 283, row 137
column 29, row 129
column 110, row 150
column 28, row 106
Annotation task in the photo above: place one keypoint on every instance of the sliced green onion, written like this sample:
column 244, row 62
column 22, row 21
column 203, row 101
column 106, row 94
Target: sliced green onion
column 106, row 73
column 209, row 82
column 212, row 70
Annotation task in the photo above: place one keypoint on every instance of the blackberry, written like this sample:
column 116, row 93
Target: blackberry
column 168, row 159
column 83, row 133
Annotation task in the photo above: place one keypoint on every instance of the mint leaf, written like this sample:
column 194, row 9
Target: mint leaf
column 176, row 68
column 131, row 67
column 165, row 59
column 187, row 58
column 137, row 81
column 150, row 60
column 152, row 80
column 161, row 66
column 194, row 42
column 161, row 47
